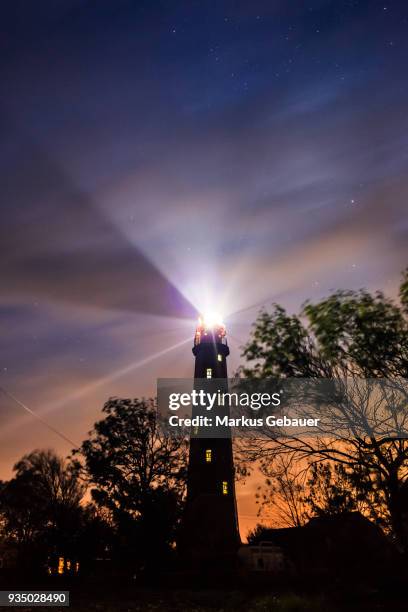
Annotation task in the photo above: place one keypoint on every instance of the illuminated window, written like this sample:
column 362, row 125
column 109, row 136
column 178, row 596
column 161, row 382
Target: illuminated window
column 68, row 565
column 61, row 565
column 219, row 357
column 208, row 455
column 225, row 487
column 209, row 372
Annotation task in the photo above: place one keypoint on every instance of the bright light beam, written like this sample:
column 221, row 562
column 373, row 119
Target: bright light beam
column 211, row 319
column 91, row 387
column 118, row 374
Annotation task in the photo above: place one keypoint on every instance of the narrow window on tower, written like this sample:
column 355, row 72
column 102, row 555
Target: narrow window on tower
column 208, row 455
column 209, row 372
column 225, row 487
column 219, row 357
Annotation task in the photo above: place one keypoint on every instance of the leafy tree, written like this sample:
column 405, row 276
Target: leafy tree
column 329, row 490
column 348, row 333
column 40, row 506
column 333, row 489
column 404, row 291
column 258, row 533
column 138, row 474
column 56, row 480
column 354, row 336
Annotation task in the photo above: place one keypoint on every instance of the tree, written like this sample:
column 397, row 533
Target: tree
column 353, row 337
column 56, row 480
column 40, row 506
column 403, row 293
column 283, row 492
column 137, row 472
column 329, row 490
column 293, row 493
column 97, row 537
column 258, row 533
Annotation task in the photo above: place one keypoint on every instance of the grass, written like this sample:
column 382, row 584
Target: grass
column 210, row 600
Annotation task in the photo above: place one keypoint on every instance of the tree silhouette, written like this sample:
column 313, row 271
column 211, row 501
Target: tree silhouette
column 330, row 491
column 40, row 506
column 283, row 492
column 355, row 337
column 137, row 472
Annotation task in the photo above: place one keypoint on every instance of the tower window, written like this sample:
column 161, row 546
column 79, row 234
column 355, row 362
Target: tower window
column 225, row 487
column 209, row 372
column 219, row 357
column 208, row 455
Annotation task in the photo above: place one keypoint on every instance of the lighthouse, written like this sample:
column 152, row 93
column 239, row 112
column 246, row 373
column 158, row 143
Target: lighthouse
column 210, row 524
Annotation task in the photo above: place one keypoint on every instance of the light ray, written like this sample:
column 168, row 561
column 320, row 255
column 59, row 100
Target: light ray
column 95, row 385
column 115, row 375
column 37, row 416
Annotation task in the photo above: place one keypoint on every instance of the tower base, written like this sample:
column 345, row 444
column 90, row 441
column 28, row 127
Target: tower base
column 208, row 534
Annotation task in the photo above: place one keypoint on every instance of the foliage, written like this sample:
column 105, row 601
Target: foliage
column 293, row 493
column 329, row 490
column 348, row 333
column 403, row 293
column 137, row 472
column 348, row 336
column 40, row 506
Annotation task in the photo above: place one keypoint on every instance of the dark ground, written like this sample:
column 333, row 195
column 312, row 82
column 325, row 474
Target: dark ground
column 331, row 596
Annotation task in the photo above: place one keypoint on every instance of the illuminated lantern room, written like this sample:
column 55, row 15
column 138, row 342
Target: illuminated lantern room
column 210, row 347
column 210, row 328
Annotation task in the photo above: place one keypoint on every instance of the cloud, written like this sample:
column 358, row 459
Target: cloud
column 59, row 245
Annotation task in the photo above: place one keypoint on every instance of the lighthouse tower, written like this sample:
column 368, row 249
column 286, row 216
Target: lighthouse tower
column 210, row 525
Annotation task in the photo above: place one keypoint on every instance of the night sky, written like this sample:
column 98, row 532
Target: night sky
column 161, row 157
